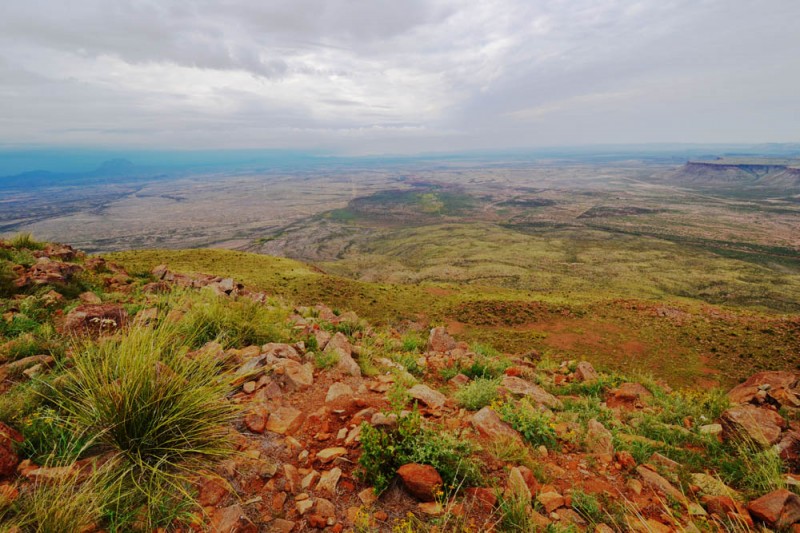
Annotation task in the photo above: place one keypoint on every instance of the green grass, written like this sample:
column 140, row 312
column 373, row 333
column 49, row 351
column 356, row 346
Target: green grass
column 161, row 413
column 26, row 241
column 534, row 425
column 572, row 300
column 384, row 450
column 232, row 323
column 478, row 394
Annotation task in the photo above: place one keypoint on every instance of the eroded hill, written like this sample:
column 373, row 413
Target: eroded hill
column 139, row 400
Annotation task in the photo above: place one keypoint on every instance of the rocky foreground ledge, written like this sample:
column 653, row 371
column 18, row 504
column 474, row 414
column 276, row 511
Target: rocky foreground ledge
column 345, row 427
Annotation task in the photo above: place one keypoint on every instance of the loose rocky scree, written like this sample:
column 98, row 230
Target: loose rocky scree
column 335, row 433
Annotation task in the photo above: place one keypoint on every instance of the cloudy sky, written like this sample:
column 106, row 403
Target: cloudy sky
column 370, row 76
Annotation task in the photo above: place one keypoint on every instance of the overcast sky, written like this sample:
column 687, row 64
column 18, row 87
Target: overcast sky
column 376, row 76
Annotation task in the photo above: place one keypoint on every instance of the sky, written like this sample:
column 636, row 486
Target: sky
column 396, row 76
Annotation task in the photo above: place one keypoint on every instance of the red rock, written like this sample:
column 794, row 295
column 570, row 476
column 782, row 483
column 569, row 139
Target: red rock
column 340, row 346
column 626, row 460
column 530, row 390
column 780, row 385
column 440, row 341
column 211, row 491
column 256, row 420
column 421, row 481
column 720, row 505
column 482, row 497
column 8, row 458
column 317, row 521
column 530, row 479
column 779, row 508
column 489, row 424
column 46, row 271
column 95, row 319
column 8, row 494
column 231, row 520
column 428, row 396
column 761, row 425
column 381, row 516
column 585, row 372
column 628, row 396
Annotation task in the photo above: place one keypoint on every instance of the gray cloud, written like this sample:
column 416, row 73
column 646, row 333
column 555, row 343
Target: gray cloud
column 383, row 75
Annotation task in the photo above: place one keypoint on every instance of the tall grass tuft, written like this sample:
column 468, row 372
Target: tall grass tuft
column 26, row 240
column 158, row 411
column 232, row 322
column 61, row 505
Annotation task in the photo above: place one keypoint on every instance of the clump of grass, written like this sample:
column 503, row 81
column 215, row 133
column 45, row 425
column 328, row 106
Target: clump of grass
column 23, row 399
column 754, row 470
column 412, row 342
column 484, row 350
column 483, row 366
column 534, row 425
column 63, row 505
column 7, row 277
column 595, row 388
column 410, row 363
column 160, row 413
column 478, row 394
column 701, row 406
column 324, row 360
column 588, row 506
column 232, row 322
column 513, row 451
column 26, row 241
column 515, row 515
column 384, row 450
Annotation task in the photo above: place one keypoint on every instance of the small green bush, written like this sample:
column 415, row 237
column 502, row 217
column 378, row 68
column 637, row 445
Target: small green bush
column 478, row 394
column 232, row 322
column 534, row 425
column 412, row 342
column 324, row 360
column 384, row 450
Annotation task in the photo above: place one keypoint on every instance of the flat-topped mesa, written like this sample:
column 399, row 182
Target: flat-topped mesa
column 778, row 174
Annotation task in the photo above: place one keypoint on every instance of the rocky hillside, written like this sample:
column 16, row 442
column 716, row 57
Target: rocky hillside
column 733, row 173
column 159, row 401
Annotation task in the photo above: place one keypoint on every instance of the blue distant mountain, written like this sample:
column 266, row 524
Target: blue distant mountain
column 114, row 170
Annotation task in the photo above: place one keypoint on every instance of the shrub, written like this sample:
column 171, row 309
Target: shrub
column 478, row 394
column 534, row 425
column 232, row 322
column 384, row 450
column 161, row 412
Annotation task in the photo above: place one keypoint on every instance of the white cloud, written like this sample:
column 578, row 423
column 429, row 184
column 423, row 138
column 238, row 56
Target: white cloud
column 384, row 75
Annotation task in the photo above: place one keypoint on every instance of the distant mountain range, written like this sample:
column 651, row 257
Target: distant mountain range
column 113, row 170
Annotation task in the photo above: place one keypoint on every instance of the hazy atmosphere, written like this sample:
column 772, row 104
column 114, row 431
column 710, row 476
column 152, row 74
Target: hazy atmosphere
column 399, row 266
column 389, row 76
